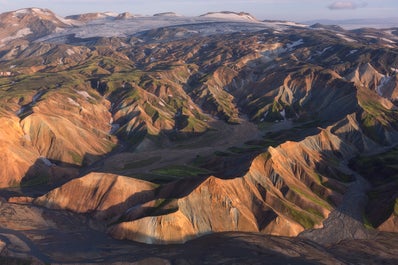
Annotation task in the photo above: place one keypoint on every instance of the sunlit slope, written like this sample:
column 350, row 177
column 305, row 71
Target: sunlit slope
column 145, row 112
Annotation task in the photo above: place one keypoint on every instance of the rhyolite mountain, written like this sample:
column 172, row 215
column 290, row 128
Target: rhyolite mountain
column 164, row 129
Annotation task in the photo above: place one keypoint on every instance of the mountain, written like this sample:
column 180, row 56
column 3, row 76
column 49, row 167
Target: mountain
column 168, row 129
column 94, row 16
column 29, row 24
column 330, row 27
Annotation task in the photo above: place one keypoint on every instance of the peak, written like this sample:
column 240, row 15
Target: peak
column 37, row 13
column 31, row 10
column 93, row 16
column 124, row 15
column 31, row 23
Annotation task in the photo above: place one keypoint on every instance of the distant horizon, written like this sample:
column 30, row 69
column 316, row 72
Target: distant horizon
column 291, row 10
column 350, row 23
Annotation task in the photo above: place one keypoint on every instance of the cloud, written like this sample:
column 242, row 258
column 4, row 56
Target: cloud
column 341, row 5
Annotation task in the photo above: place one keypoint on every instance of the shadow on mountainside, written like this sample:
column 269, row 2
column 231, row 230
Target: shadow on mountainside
column 76, row 242
column 380, row 171
column 81, row 244
column 350, row 219
column 160, row 201
column 231, row 165
column 45, row 175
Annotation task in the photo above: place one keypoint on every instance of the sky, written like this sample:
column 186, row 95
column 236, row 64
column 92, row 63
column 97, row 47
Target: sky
column 295, row 10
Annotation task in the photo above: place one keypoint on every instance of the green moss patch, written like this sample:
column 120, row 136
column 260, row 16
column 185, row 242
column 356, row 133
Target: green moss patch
column 141, row 163
column 181, row 171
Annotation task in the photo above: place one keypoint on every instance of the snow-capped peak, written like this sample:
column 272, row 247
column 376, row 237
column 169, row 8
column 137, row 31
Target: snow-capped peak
column 33, row 10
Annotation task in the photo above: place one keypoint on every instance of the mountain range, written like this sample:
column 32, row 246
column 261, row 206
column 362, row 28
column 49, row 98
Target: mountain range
column 378, row 23
column 216, row 139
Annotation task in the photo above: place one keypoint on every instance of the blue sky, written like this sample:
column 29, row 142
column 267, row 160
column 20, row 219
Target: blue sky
column 297, row 10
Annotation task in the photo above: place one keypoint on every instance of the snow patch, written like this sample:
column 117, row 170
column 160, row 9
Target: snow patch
column 46, row 161
column 264, row 116
column 6, row 73
column 58, row 30
column 104, row 26
column 70, row 52
column 295, row 44
column 272, row 52
column 19, row 34
column 23, row 32
column 21, row 12
column 20, row 111
column 111, row 14
column 352, row 52
column 84, row 94
column 283, row 114
column 73, row 102
column 230, row 16
column 27, row 137
column 287, row 24
column 383, row 82
column 69, row 22
column 183, row 33
column 388, row 40
column 114, row 128
column 294, row 24
column 324, row 50
column 234, row 213
column 344, row 37
column 38, row 96
column 279, row 26
column 41, row 11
